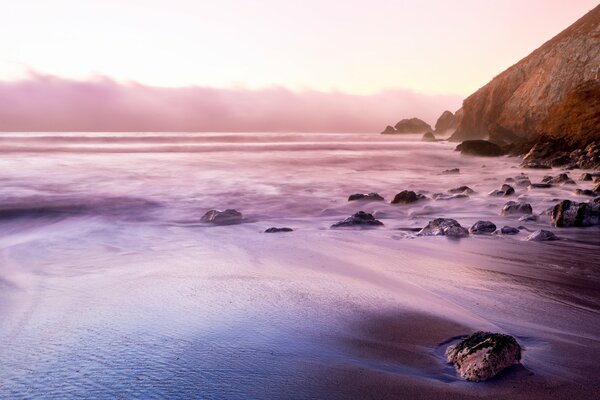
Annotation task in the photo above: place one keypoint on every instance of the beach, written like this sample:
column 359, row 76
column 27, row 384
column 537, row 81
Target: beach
column 112, row 287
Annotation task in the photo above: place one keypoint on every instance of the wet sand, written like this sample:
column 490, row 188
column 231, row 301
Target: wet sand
column 137, row 299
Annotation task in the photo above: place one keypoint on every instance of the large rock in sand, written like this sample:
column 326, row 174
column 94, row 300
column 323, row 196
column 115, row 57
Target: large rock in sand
column 571, row 213
column 229, row 216
column 483, row 354
column 444, row 227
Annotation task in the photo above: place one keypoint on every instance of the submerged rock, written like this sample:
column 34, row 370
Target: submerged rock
column 514, row 208
column 586, row 192
column 229, row 216
column 505, row 190
column 480, row 148
column 407, row 197
column 528, row 218
column 571, row 213
column 361, row 219
column 453, row 171
column 561, row 178
column 365, row 196
column 542, row 236
column 539, row 186
column 444, row 227
column 277, row 230
column 443, row 196
column 482, row 227
column 522, row 181
column 461, row 189
column 509, row 230
column 482, row 355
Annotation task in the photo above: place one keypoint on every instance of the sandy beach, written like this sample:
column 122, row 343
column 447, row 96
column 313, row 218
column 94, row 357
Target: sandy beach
column 111, row 287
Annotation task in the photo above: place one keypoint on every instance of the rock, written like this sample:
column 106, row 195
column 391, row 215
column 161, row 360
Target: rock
column 428, row 137
column 542, row 236
column 361, row 219
column 447, row 121
column 482, row 227
column 453, row 171
column 461, row 189
column 412, row 125
column 571, row 213
column 509, row 180
column 482, row 355
column 229, row 216
column 535, row 165
column 562, row 178
column 509, row 230
column 522, row 181
column 539, row 186
column 514, row 208
column 443, row 196
column 586, row 192
column 528, row 218
column 389, row 129
column 480, row 148
column 365, row 197
column 586, row 176
column 505, row 190
column 277, row 230
column 443, row 227
column 407, row 197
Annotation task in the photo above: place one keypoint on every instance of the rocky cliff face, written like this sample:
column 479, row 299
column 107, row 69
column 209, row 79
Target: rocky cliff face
column 519, row 102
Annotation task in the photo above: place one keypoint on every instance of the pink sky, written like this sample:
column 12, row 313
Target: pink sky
column 310, row 50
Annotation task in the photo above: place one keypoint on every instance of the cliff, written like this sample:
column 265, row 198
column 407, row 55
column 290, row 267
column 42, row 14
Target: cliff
column 525, row 101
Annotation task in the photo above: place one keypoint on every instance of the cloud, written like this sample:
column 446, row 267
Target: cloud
column 49, row 103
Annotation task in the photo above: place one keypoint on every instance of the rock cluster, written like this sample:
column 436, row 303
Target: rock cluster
column 482, row 355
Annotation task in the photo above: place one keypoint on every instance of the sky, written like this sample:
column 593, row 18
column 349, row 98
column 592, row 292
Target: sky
column 438, row 49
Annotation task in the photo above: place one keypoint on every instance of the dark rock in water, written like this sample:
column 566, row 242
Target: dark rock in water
column 361, row 219
column 446, row 122
column 461, row 190
column 528, row 218
column 542, row 236
column 444, row 227
column 562, row 178
column 535, row 165
column 412, row 125
column 407, row 197
column 443, row 196
column 453, row 171
column 586, row 192
column 509, row 180
column 505, row 190
column 509, row 230
column 480, row 148
column 522, row 181
column 539, row 186
column 482, row 227
column 428, row 137
column 586, row 176
column 514, row 208
column 277, row 230
column 482, row 355
column 597, row 188
column 389, row 129
column 571, row 213
column 229, row 216
column 365, row 196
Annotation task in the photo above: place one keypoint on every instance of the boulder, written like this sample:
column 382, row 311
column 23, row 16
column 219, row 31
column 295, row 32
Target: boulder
column 571, row 213
column 522, row 181
column 453, row 171
column 528, row 218
column 482, row 355
column 482, row 228
column 539, row 186
column 407, row 197
column 278, row 230
column 505, row 190
column 365, row 197
column 586, row 192
column 360, row 219
column 509, row 230
column 461, row 190
column 428, row 137
column 229, row 216
column 447, row 121
column 514, row 208
column 412, row 125
column 561, row 178
column 480, row 148
column 389, row 129
column 542, row 236
column 443, row 227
